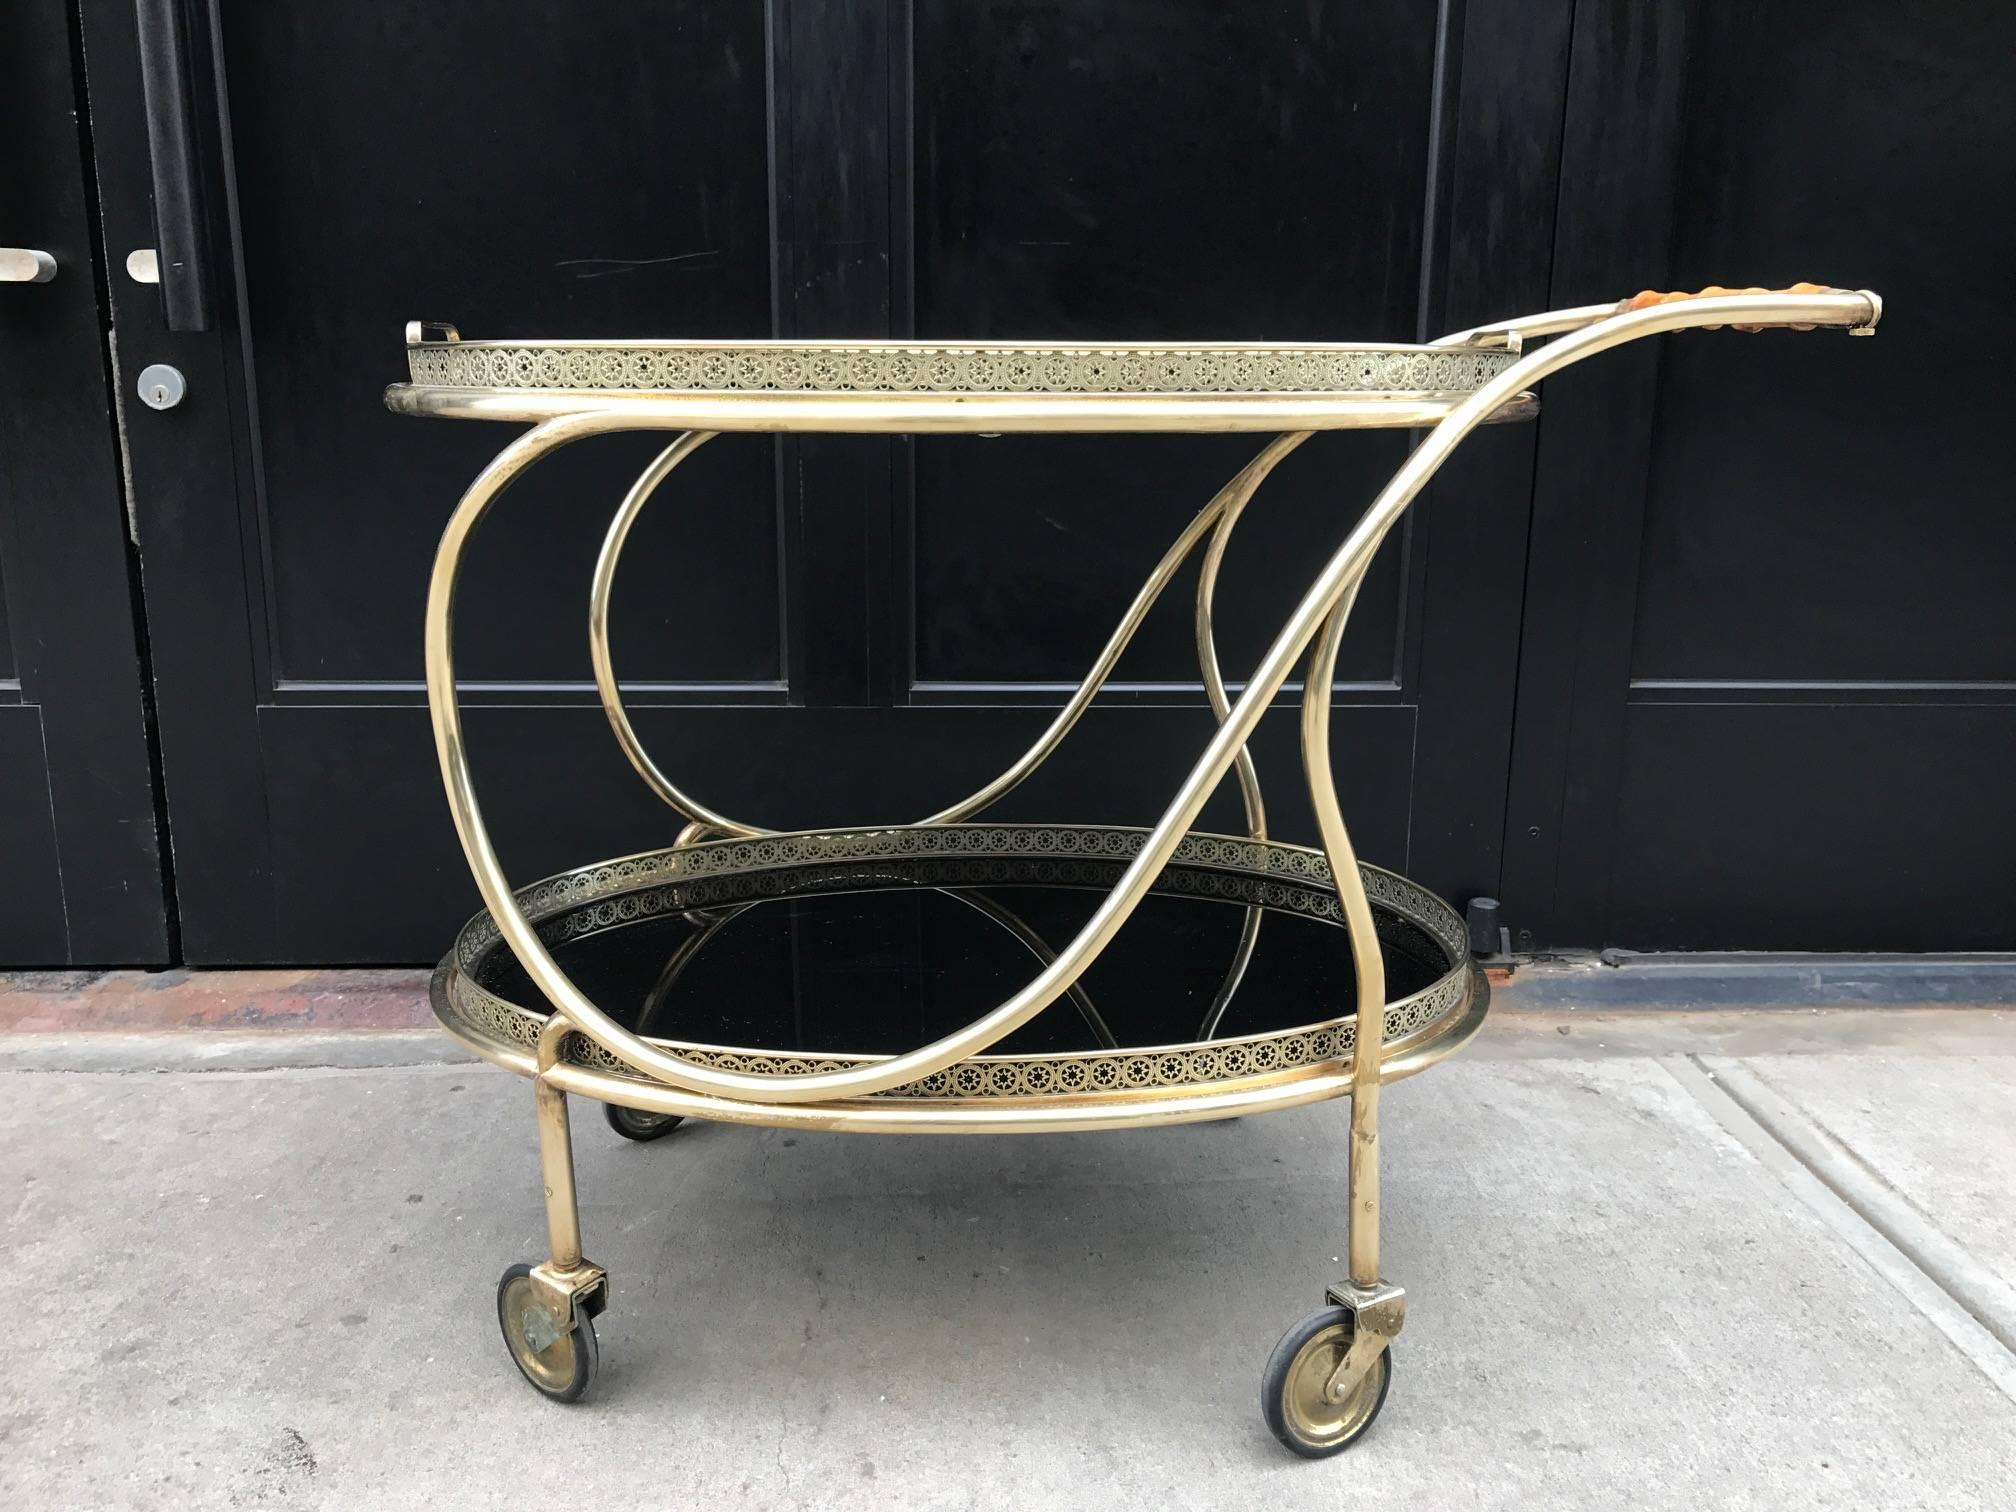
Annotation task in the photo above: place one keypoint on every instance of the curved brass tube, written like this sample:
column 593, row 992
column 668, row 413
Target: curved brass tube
column 1214, row 690
column 1081, row 698
column 1512, row 333
column 705, row 927
column 1038, row 947
column 690, row 833
column 598, row 638
column 573, row 1004
column 1231, row 504
column 1553, row 323
column 1235, row 973
column 1332, row 582
column 1229, row 500
column 1222, row 513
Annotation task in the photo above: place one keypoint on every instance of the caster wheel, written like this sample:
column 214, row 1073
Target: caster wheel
column 1291, row 1387
column 634, row 1123
column 560, row 1363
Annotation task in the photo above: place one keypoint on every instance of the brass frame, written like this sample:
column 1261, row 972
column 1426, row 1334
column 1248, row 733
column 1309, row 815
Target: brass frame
column 573, row 390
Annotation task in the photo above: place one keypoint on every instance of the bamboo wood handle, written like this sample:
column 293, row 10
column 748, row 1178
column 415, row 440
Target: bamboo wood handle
column 1650, row 297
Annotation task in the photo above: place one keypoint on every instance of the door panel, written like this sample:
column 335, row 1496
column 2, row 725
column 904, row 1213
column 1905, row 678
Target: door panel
column 80, row 870
column 1090, row 175
column 1771, row 646
column 31, row 883
column 1830, row 827
column 571, row 174
column 1788, row 538
column 591, row 180
column 1140, row 168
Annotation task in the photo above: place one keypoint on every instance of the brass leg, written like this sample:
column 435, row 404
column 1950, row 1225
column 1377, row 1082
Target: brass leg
column 1326, row 1380
column 1363, row 1179
column 547, row 1311
column 1378, row 1310
column 556, row 1158
column 570, row 1274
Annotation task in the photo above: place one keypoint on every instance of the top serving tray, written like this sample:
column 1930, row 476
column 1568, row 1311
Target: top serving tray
column 917, row 386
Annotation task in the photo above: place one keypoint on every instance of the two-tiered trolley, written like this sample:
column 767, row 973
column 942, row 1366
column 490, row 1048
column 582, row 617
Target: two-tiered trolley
column 1186, row 976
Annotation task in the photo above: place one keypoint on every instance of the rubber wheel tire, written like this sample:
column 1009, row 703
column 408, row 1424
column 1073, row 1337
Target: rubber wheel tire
column 566, row 1367
column 1290, row 1387
column 633, row 1123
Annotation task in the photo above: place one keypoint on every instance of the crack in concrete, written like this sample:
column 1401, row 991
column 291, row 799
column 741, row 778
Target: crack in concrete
column 1946, row 1294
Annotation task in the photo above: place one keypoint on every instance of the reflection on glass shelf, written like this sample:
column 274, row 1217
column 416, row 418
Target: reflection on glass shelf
column 881, row 971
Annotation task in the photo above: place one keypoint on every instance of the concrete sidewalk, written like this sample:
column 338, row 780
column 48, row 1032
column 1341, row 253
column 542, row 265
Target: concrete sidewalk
column 1700, row 1260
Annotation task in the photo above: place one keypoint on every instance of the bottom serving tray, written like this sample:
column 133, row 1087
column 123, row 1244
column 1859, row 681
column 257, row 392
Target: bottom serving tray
column 804, row 952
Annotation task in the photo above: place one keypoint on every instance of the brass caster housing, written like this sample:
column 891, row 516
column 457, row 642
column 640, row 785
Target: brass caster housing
column 548, row 1322
column 1326, row 1381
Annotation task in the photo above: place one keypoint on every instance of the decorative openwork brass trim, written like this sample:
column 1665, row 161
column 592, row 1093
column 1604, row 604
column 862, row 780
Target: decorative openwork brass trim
column 1285, row 865
column 466, row 1006
column 940, row 368
column 1260, row 874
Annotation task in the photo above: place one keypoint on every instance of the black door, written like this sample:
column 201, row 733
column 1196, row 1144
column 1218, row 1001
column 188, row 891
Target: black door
column 822, row 631
column 1768, row 696
column 518, row 167
column 80, row 868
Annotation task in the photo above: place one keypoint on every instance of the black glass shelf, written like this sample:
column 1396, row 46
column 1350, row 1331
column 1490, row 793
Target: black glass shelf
column 880, row 970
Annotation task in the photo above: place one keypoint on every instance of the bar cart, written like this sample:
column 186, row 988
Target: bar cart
column 1262, row 975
